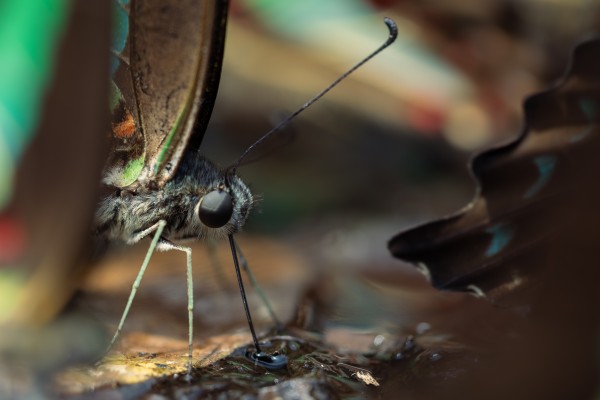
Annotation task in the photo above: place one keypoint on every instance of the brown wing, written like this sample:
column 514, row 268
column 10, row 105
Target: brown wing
column 526, row 192
column 126, row 139
column 176, row 54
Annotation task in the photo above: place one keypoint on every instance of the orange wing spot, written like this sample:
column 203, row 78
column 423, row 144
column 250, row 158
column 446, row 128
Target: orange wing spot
column 124, row 129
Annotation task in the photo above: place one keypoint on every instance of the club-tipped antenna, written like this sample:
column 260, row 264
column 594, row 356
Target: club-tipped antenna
column 393, row 28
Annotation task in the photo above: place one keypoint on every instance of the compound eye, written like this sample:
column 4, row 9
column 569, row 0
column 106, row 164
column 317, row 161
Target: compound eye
column 215, row 208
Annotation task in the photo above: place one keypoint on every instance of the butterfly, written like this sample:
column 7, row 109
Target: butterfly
column 165, row 73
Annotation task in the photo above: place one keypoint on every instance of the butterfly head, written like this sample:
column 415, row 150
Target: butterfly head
column 224, row 203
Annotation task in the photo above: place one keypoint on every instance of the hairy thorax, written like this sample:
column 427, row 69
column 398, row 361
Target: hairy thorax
column 124, row 212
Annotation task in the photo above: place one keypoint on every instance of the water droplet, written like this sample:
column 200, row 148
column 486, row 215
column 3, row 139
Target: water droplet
column 423, row 327
column 378, row 341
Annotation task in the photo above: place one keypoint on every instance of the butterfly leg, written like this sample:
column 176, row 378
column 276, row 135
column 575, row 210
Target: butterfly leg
column 165, row 245
column 256, row 286
column 158, row 229
column 212, row 250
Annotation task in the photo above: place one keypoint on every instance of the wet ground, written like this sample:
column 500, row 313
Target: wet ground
column 379, row 332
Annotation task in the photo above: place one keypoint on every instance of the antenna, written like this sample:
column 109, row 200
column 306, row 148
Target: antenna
column 393, row 28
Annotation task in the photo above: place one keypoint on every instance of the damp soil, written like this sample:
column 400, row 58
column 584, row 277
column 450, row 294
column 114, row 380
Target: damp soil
column 379, row 332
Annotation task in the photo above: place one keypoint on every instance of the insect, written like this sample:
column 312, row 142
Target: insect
column 166, row 69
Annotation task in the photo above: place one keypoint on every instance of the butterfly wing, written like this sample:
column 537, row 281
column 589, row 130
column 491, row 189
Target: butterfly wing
column 127, row 149
column 166, row 69
column 525, row 194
